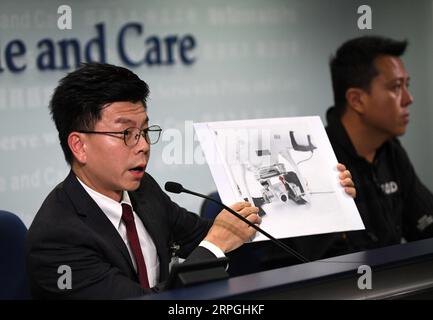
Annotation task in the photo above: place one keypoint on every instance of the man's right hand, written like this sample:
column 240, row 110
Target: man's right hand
column 228, row 232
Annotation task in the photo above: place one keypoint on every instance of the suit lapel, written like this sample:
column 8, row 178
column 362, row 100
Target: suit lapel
column 94, row 216
column 147, row 215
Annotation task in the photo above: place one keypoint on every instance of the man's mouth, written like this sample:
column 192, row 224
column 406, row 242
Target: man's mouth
column 137, row 169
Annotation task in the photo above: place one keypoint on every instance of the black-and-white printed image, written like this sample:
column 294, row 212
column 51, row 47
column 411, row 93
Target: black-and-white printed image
column 286, row 167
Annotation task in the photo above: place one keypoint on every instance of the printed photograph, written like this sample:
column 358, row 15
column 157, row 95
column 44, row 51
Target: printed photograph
column 285, row 167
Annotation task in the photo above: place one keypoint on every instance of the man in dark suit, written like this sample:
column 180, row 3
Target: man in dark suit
column 107, row 230
column 108, row 226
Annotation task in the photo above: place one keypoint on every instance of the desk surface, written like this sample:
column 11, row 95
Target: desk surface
column 397, row 271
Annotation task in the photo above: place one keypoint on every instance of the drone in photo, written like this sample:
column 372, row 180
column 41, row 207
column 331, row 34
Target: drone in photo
column 277, row 182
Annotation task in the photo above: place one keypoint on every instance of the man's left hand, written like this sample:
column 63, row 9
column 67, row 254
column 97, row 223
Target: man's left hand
column 346, row 180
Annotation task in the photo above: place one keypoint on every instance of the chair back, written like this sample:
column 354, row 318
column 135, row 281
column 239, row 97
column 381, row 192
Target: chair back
column 13, row 274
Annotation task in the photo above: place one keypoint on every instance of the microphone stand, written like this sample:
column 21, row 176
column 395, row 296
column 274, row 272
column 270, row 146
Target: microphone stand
column 252, row 225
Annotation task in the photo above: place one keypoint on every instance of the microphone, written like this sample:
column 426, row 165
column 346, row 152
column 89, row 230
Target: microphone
column 175, row 187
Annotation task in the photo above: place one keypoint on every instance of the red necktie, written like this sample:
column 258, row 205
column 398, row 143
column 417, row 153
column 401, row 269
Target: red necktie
column 134, row 243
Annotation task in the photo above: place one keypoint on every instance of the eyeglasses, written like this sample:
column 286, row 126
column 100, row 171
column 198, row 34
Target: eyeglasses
column 132, row 135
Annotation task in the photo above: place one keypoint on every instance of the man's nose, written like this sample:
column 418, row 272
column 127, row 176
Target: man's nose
column 142, row 144
column 407, row 97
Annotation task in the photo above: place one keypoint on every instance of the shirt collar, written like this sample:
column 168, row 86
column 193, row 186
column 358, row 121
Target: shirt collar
column 111, row 208
column 338, row 135
column 337, row 132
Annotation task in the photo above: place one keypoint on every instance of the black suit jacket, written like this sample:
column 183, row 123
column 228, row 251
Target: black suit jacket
column 71, row 230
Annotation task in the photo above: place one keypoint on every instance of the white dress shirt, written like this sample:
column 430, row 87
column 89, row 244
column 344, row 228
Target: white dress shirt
column 113, row 211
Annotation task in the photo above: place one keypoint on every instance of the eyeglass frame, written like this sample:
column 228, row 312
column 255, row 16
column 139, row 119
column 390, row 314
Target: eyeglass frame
column 143, row 133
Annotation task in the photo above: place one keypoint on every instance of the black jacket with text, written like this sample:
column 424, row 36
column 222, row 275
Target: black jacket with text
column 392, row 201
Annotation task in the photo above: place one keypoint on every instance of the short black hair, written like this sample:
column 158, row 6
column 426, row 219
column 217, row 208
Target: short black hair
column 353, row 64
column 80, row 96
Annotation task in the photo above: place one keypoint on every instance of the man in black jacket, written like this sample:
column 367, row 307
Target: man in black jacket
column 371, row 96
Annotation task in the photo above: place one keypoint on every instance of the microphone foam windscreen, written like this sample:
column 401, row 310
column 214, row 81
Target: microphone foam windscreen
column 173, row 187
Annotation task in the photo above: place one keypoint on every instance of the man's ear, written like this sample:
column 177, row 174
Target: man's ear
column 77, row 146
column 355, row 98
